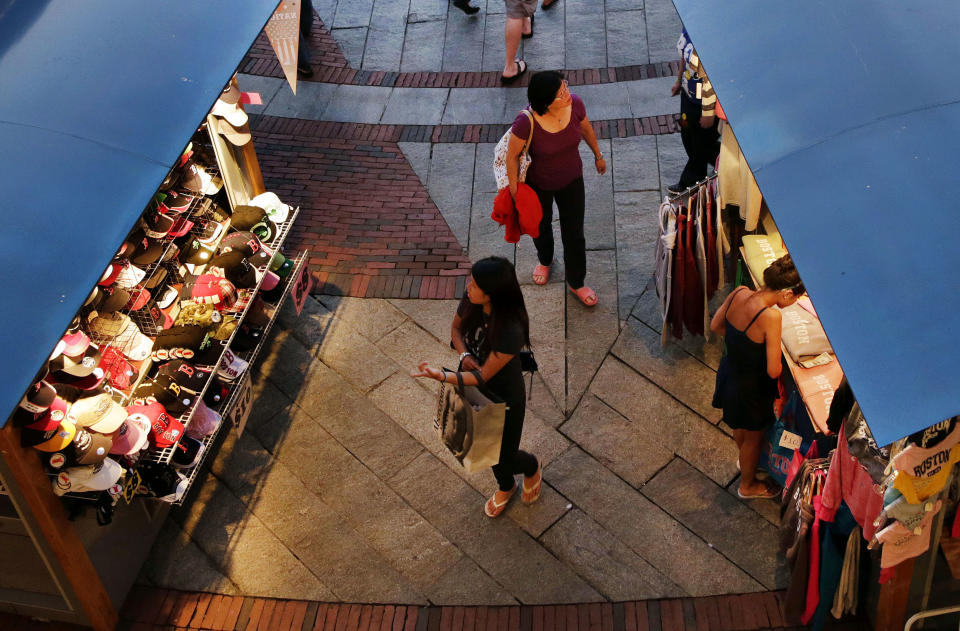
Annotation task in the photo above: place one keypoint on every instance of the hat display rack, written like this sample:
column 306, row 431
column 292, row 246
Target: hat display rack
column 132, row 328
column 250, row 357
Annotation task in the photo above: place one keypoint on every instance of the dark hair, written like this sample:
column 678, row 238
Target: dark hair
column 543, row 90
column 783, row 275
column 496, row 277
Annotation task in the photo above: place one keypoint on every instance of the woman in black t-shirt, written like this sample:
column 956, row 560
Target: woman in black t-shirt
column 489, row 330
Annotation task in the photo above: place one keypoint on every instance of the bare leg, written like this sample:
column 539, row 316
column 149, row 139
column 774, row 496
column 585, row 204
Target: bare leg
column 749, row 457
column 527, row 26
column 511, row 36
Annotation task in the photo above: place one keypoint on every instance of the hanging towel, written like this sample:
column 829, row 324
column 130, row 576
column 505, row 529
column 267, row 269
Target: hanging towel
column 666, row 244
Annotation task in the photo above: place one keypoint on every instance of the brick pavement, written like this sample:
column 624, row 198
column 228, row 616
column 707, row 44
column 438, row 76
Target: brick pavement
column 149, row 609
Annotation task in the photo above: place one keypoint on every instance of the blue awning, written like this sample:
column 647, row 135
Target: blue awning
column 99, row 99
column 849, row 116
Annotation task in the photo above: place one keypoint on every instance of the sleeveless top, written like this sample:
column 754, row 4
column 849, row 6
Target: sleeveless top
column 744, row 389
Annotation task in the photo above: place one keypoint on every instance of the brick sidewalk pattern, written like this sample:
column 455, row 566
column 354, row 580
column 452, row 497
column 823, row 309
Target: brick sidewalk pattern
column 149, row 609
column 369, row 223
column 330, row 66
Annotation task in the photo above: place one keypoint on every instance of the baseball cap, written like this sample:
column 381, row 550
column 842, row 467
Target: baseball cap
column 204, row 422
column 93, row 296
column 190, row 336
column 245, row 216
column 131, row 436
column 52, row 440
column 186, row 374
column 157, row 224
column 118, row 329
column 38, row 397
column 157, row 279
column 90, row 382
column 276, row 210
column 130, row 275
column 176, row 202
column 75, row 343
column 235, row 267
column 247, row 338
column 160, row 317
column 78, row 366
column 237, row 136
column 118, row 369
column 217, row 392
column 187, row 453
column 270, row 281
column 195, row 252
column 166, row 296
column 167, row 392
column 277, row 261
column 139, row 297
column 50, row 419
column 228, row 106
column 208, row 231
column 164, row 429
column 196, row 179
column 249, row 244
column 117, row 298
column 181, row 227
column 285, row 268
column 91, row 447
column 264, row 230
column 110, row 274
column 258, row 314
column 165, row 482
column 99, row 413
column 231, row 366
column 145, row 250
column 210, row 289
column 94, row 477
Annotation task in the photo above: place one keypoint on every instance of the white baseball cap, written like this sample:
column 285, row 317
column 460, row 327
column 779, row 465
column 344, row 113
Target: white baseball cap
column 95, row 477
column 228, row 107
column 276, row 210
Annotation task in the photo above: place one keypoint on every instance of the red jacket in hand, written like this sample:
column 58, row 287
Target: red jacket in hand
column 522, row 217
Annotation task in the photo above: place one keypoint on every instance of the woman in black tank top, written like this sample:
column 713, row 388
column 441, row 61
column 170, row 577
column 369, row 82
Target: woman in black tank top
column 746, row 384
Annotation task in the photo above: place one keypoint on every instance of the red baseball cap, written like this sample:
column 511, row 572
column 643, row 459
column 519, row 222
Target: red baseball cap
column 51, row 418
column 75, row 344
column 139, row 297
column 164, row 429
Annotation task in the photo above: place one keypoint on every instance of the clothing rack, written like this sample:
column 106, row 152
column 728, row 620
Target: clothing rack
column 691, row 189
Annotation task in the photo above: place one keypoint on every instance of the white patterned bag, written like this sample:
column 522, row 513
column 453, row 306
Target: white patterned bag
column 500, row 157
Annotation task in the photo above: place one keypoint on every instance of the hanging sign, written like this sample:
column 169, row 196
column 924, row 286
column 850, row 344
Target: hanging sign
column 283, row 31
column 301, row 288
column 244, row 401
column 789, row 440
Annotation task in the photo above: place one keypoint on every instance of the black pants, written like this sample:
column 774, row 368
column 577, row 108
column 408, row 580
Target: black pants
column 702, row 145
column 570, row 205
column 512, row 460
column 306, row 27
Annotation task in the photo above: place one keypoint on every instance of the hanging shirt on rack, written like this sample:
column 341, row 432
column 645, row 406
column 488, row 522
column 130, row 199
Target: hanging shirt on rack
column 675, row 315
column 700, row 235
column 849, row 482
column 666, row 244
column 900, row 543
column 737, row 186
column 692, row 288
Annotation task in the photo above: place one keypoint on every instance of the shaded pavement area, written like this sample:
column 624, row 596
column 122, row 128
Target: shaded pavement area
column 339, row 491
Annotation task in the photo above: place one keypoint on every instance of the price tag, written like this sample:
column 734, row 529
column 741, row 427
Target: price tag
column 301, row 288
column 241, row 409
column 789, row 440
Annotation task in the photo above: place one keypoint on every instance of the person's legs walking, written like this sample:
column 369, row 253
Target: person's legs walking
column 303, row 49
column 570, row 208
column 518, row 13
column 749, row 458
column 544, row 242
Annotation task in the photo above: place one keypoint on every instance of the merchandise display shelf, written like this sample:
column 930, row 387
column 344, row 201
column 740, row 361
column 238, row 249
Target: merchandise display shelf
column 249, row 356
column 166, row 454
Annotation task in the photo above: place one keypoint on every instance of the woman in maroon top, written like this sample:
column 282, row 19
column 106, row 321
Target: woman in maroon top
column 556, row 173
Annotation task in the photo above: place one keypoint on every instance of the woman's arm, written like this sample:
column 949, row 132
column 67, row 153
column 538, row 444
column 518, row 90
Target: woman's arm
column 586, row 130
column 491, row 367
column 772, row 329
column 513, row 161
column 459, row 345
column 717, row 324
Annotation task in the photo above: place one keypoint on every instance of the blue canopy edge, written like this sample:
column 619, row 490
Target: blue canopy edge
column 101, row 97
column 849, row 119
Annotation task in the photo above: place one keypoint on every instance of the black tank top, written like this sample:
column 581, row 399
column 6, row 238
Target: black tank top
column 746, row 356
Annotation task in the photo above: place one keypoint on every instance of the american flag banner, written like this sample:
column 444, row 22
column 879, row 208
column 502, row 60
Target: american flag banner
column 283, row 30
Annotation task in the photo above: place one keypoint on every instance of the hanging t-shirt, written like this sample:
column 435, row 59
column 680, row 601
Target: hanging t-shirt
column 923, row 472
column 901, row 543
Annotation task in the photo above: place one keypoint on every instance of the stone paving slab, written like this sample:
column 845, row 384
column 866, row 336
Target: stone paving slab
column 370, row 317
column 636, row 229
column 615, row 442
column 476, row 105
column 515, row 561
column 654, row 535
column 418, row 155
column 357, row 104
column 175, row 559
column 434, row 316
column 267, row 87
column 634, row 164
column 415, row 106
column 467, row 584
column 244, row 550
column 310, row 101
column 611, row 567
column 656, row 413
column 671, row 368
column 768, row 509
column 450, row 164
column 423, row 46
column 626, row 37
column 736, row 531
column 652, row 97
column 599, row 216
column 585, row 37
column 545, row 308
column 591, row 331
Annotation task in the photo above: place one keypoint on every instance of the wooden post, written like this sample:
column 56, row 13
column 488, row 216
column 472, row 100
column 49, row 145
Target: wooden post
column 48, row 513
column 894, row 595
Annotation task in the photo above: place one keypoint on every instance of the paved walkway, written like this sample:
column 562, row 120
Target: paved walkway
column 338, row 491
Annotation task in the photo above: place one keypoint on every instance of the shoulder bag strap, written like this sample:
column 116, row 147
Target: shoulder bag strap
column 475, row 373
column 526, row 145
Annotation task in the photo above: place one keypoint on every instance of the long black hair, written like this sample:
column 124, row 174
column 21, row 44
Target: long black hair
column 543, row 89
column 496, row 277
